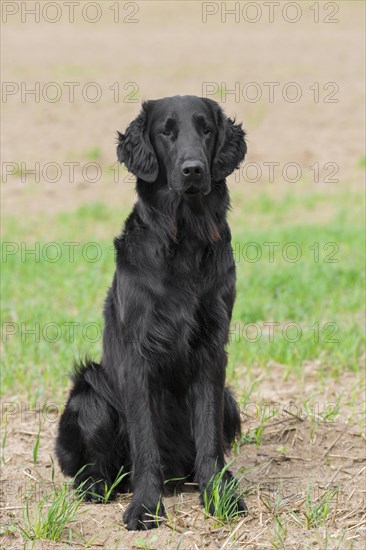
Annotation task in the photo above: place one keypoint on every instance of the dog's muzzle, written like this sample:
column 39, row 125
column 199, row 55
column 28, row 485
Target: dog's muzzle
column 194, row 178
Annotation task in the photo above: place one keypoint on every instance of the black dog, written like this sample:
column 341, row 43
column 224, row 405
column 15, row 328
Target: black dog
column 156, row 404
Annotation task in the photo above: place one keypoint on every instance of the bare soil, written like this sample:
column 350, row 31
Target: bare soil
column 300, row 454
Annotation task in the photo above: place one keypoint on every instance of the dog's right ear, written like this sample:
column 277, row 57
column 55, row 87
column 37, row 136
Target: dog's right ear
column 135, row 150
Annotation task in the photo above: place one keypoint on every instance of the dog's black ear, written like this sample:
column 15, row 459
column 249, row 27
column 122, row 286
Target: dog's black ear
column 231, row 147
column 135, row 150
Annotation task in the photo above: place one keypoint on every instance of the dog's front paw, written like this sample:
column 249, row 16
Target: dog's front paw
column 144, row 512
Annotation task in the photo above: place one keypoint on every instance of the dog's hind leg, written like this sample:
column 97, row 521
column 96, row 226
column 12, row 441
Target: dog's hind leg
column 90, row 446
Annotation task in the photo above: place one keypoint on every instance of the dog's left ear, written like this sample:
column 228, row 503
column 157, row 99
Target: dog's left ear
column 231, row 147
column 134, row 148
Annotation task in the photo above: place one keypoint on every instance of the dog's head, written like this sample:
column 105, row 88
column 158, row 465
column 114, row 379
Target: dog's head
column 184, row 141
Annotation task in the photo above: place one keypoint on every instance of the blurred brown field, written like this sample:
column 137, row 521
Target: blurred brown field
column 169, row 50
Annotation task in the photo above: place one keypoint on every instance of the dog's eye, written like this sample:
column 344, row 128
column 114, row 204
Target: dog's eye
column 167, row 132
column 206, row 130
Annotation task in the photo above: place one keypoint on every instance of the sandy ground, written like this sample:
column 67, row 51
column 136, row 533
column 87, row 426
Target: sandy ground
column 299, row 452
column 170, row 50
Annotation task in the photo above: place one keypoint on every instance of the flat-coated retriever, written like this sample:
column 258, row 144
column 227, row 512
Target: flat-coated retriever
column 156, row 404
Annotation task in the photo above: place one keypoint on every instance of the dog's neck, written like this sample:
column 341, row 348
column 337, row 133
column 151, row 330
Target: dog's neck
column 174, row 217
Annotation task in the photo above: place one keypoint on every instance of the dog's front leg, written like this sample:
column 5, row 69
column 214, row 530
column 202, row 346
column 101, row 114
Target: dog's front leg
column 208, row 431
column 208, row 436
column 146, row 505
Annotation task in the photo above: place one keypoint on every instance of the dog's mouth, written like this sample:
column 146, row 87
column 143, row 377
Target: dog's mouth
column 192, row 191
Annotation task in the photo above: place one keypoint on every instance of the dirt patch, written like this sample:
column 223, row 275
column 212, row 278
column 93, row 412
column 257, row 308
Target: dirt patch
column 301, row 466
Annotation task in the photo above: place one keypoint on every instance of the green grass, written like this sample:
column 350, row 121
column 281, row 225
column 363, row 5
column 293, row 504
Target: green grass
column 52, row 515
column 4, row 436
column 317, row 510
column 93, row 154
column 146, row 544
column 108, row 490
column 321, row 293
column 223, row 497
column 362, row 162
column 36, row 446
column 324, row 299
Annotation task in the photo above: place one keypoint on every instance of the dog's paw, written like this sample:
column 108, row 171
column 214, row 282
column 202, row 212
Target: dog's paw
column 144, row 513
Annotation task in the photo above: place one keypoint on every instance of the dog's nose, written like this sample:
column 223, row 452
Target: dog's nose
column 192, row 169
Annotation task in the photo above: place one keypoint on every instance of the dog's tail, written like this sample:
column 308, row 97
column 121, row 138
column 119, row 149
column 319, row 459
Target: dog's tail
column 231, row 419
column 88, row 373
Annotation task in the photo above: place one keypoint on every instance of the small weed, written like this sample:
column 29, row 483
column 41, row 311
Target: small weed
column 146, row 544
column 252, row 437
column 255, row 435
column 117, row 481
column 3, row 443
column 329, row 413
column 36, row 446
column 317, row 512
column 274, row 505
column 86, row 544
column 280, row 533
column 108, row 490
column 281, row 450
column 223, row 497
column 248, row 392
column 175, row 480
column 50, row 516
column 155, row 517
column 170, row 519
column 8, row 530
